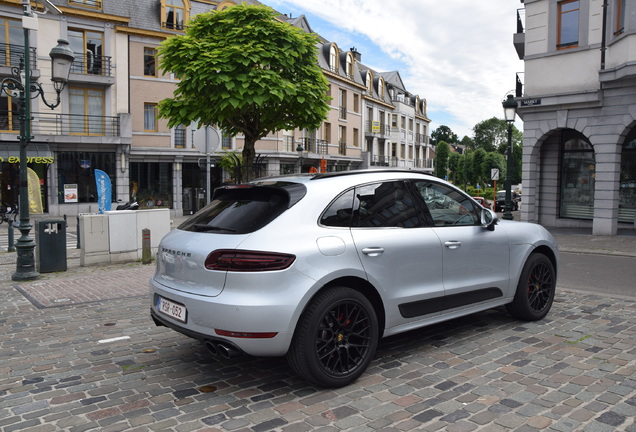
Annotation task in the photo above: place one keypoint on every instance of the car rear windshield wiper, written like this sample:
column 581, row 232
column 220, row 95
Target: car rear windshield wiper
column 207, row 228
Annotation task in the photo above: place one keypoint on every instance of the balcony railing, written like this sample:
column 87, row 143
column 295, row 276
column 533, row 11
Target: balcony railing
column 46, row 123
column 424, row 163
column 342, row 113
column 380, row 161
column 90, row 64
column 313, row 145
column 383, row 129
column 10, row 55
column 342, row 148
column 421, row 138
column 403, row 99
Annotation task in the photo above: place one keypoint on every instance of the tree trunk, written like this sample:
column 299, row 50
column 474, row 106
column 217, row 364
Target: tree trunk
column 248, row 158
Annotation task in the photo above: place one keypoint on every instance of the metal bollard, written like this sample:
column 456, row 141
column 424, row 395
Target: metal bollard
column 11, row 246
column 146, row 254
column 78, row 233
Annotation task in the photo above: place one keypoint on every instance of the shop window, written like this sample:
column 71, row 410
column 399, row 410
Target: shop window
column 87, row 111
column 174, row 14
column 627, row 188
column 578, row 173
column 150, row 62
column 151, row 184
column 77, row 170
column 568, row 36
column 150, row 117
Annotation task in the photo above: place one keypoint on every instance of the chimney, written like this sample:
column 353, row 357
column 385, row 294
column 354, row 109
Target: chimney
column 356, row 55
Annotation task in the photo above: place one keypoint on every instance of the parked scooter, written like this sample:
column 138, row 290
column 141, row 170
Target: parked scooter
column 130, row 205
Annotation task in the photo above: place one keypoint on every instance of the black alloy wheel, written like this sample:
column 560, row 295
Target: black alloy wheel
column 336, row 338
column 535, row 290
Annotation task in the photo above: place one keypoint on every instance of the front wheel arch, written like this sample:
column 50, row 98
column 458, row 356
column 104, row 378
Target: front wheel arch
column 536, row 288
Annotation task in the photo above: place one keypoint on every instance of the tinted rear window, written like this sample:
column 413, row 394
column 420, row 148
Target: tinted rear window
column 241, row 210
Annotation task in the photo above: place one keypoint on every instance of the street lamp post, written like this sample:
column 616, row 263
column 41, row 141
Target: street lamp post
column 300, row 149
column 20, row 85
column 510, row 110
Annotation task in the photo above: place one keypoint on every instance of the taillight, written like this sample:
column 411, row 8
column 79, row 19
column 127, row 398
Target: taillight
column 247, row 261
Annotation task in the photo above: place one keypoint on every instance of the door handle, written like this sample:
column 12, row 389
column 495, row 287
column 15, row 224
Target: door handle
column 373, row 251
column 453, row 244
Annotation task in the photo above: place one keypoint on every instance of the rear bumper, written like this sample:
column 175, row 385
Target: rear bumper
column 252, row 313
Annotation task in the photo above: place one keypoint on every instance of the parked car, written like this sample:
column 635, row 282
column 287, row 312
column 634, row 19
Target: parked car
column 319, row 268
column 501, row 200
column 483, row 201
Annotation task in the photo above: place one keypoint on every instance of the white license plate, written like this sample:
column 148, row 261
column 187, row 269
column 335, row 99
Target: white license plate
column 172, row 309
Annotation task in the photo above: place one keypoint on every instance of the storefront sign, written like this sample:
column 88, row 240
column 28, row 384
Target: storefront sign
column 31, row 160
column 70, row 193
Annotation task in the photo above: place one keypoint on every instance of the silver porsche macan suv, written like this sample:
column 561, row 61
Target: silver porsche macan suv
column 319, row 267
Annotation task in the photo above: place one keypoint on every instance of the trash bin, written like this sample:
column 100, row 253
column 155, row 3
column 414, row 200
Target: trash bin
column 50, row 245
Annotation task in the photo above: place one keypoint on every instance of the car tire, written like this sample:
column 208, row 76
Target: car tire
column 535, row 290
column 335, row 339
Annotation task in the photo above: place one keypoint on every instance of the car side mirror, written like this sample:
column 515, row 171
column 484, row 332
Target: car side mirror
column 489, row 219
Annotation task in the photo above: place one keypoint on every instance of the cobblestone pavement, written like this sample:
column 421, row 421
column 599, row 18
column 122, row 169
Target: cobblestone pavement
column 79, row 352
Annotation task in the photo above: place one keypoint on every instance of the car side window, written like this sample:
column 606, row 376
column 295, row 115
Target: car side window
column 387, row 204
column 447, row 206
column 339, row 212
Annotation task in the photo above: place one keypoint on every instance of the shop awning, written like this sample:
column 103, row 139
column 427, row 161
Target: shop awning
column 12, row 151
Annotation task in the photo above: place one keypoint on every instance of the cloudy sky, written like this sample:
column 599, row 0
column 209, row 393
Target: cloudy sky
column 457, row 54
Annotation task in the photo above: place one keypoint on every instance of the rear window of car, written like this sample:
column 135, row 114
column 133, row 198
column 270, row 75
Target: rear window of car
column 244, row 209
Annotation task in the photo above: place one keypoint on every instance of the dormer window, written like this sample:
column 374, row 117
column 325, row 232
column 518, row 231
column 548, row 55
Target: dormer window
column 381, row 88
column 369, row 83
column 174, row 14
column 349, row 69
column 333, row 58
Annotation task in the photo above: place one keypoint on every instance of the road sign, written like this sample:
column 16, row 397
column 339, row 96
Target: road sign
column 494, row 174
column 206, row 140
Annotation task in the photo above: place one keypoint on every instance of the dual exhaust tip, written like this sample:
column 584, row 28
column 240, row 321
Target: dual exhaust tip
column 220, row 349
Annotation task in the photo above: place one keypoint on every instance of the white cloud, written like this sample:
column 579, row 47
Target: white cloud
column 458, row 54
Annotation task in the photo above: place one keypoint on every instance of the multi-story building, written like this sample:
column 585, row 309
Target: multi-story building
column 108, row 116
column 91, row 127
column 579, row 111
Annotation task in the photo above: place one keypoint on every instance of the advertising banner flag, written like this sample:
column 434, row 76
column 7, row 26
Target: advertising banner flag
column 35, row 197
column 104, row 191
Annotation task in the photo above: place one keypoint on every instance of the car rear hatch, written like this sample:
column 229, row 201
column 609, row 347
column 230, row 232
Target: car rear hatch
column 233, row 215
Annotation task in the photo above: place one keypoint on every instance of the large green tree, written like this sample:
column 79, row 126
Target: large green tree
column 443, row 133
column 490, row 134
column 442, row 153
column 246, row 72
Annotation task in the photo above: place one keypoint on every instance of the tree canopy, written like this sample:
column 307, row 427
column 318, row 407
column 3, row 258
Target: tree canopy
column 246, row 72
column 442, row 153
column 443, row 133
